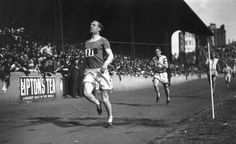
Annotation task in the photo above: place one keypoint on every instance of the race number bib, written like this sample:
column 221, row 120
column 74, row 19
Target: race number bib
column 89, row 52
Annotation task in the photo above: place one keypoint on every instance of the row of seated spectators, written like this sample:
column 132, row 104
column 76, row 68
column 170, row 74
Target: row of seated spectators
column 45, row 59
column 30, row 57
column 35, row 58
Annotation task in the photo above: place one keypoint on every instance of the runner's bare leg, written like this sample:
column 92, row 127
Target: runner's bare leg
column 88, row 88
column 107, row 103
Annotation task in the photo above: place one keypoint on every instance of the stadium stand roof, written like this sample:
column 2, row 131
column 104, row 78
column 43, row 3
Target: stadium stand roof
column 140, row 21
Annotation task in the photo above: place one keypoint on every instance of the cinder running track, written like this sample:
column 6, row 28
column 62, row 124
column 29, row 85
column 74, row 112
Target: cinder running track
column 137, row 118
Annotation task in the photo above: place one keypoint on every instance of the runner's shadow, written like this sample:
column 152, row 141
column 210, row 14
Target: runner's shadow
column 64, row 123
column 140, row 122
column 98, row 122
column 130, row 122
column 135, row 104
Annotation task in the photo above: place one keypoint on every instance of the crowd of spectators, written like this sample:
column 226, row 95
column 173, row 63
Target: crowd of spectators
column 126, row 65
column 27, row 56
column 19, row 55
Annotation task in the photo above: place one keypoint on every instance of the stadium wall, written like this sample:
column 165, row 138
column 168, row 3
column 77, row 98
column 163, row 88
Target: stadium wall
column 132, row 83
column 12, row 95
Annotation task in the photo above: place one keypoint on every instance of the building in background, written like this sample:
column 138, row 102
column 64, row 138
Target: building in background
column 193, row 48
column 187, row 42
column 218, row 40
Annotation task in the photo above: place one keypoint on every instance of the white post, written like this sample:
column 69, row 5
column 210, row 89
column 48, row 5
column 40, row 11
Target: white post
column 210, row 77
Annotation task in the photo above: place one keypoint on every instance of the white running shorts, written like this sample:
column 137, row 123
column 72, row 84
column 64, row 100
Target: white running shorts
column 100, row 80
column 160, row 78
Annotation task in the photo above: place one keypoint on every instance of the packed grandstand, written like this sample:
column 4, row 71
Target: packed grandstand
column 21, row 54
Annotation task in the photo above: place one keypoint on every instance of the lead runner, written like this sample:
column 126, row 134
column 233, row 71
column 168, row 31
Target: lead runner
column 96, row 75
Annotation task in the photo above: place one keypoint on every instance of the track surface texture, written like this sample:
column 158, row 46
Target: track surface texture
column 137, row 118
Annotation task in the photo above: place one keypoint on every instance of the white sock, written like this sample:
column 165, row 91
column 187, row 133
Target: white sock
column 110, row 119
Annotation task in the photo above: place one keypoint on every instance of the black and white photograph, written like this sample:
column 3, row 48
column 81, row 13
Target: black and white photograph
column 117, row 72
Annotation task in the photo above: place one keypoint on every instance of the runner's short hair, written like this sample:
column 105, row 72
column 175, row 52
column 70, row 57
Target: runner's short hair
column 100, row 25
column 158, row 47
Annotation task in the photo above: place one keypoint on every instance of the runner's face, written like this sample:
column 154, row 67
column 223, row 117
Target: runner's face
column 94, row 28
column 158, row 52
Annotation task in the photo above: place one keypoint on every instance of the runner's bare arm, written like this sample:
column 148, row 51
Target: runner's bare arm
column 109, row 58
column 165, row 63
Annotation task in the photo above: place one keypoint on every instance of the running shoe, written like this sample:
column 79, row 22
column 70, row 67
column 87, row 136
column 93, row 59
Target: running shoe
column 109, row 125
column 99, row 109
column 167, row 101
column 157, row 99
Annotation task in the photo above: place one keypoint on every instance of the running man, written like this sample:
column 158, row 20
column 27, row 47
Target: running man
column 160, row 75
column 227, row 74
column 96, row 74
column 214, row 66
